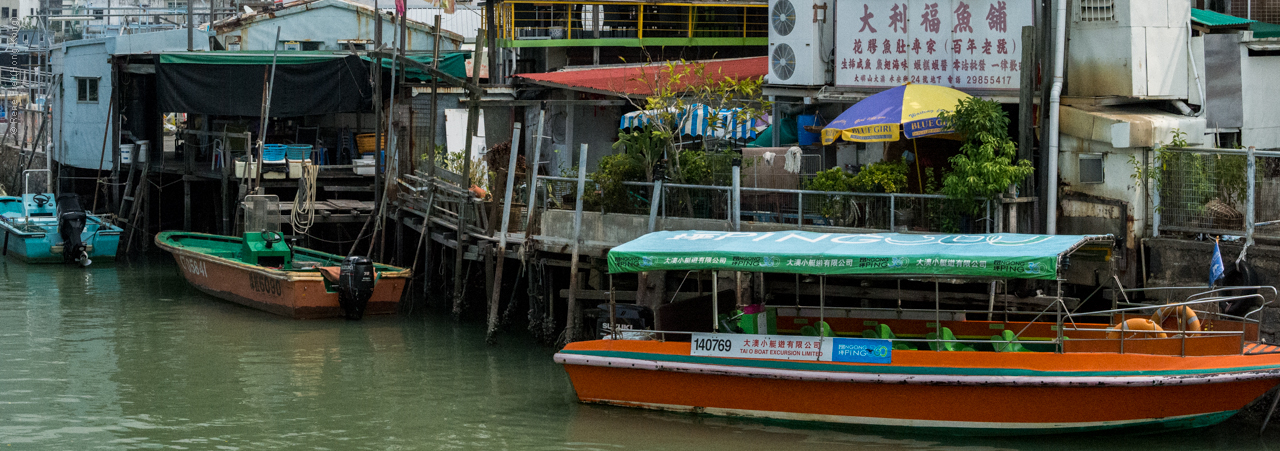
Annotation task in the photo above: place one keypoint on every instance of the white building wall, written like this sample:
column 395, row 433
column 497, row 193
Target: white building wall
column 1261, row 126
column 78, row 127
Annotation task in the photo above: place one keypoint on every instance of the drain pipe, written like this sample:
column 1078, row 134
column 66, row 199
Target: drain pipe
column 1195, row 70
column 1055, row 103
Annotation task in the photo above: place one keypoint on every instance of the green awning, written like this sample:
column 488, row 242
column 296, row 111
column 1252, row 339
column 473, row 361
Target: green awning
column 1004, row 256
column 1217, row 19
column 450, row 63
column 1263, row 30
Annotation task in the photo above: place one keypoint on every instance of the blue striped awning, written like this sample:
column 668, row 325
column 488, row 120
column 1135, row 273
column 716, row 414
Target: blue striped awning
column 695, row 121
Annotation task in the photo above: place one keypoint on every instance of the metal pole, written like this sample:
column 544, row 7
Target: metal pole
column 654, row 201
column 715, row 301
column 892, row 210
column 822, row 305
column 937, row 314
column 191, row 26
column 800, row 211
column 736, row 206
column 613, row 309
column 1250, row 218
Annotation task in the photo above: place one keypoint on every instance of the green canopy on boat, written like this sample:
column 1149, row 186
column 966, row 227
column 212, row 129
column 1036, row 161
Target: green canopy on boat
column 1005, row 256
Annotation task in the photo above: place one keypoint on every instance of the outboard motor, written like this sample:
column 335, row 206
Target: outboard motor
column 71, row 223
column 355, row 286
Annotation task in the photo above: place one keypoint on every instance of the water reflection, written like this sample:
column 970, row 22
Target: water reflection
column 127, row 356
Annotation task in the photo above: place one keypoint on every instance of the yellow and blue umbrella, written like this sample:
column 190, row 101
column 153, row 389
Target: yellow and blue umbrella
column 910, row 109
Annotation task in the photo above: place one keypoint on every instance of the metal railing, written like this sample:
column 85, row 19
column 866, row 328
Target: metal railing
column 533, row 20
column 887, row 212
column 1063, row 321
column 1219, row 192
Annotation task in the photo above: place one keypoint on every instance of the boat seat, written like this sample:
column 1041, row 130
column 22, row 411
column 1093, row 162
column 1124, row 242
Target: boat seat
column 883, row 332
column 810, row 331
column 1007, row 342
column 948, row 345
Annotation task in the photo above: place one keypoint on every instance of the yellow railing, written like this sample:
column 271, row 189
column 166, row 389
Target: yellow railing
column 542, row 20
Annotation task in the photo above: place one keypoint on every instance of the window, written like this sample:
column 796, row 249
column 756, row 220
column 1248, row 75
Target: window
column 86, row 90
column 1091, row 168
column 1097, row 10
column 4, row 13
column 311, row 45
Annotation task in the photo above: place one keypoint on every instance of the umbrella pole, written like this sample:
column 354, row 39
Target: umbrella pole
column 919, row 178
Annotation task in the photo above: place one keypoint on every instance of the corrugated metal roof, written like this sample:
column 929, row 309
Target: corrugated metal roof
column 1263, row 30
column 1216, row 19
column 640, row 80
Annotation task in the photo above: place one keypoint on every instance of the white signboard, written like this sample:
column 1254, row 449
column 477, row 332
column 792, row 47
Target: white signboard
column 781, row 347
column 964, row 44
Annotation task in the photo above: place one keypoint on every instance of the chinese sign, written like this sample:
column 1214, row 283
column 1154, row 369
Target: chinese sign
column 791, row 347
column 972, row 44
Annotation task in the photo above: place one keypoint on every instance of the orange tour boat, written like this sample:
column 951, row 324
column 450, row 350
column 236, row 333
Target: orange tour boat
column 1043, row 370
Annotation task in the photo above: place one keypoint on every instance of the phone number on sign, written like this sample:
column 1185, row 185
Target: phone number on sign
column 988, row 79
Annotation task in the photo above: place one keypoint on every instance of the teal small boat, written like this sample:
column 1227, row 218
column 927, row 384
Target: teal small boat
column 39, row 229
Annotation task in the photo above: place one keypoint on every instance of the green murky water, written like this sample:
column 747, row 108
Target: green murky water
column 128, row 356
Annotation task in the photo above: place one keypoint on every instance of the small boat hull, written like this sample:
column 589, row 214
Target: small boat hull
column 946, row 392
column 295, row 294
column 44, row 247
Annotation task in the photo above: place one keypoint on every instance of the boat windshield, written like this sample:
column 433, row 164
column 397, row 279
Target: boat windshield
column 262, row 213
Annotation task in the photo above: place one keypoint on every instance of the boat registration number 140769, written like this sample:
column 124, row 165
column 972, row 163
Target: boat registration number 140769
column 792, row 347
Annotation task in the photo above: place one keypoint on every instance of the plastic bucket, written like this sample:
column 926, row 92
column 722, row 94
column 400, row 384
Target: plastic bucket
column 806, row 138
column 144, row 146
column 126, row 154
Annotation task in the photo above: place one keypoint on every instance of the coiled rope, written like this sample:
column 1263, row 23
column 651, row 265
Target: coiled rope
column 303, row 215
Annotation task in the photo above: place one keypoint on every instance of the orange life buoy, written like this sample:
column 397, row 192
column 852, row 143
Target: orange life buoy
column 1186, row 319
column 1136, row 324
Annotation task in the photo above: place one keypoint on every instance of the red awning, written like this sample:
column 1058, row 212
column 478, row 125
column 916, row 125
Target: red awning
column 640, row 79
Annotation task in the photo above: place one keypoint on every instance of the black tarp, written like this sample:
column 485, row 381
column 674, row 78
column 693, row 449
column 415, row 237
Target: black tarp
column 315, row 86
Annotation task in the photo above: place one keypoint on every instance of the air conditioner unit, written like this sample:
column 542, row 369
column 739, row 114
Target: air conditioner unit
column 800, row 42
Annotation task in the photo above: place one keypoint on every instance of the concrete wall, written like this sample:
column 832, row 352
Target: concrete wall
column 1117, row 206
column 1261, row 110
column 1186, row 263
column 597, row 127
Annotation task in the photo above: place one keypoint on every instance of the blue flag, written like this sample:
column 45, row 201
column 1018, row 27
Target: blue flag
column 1215, row 265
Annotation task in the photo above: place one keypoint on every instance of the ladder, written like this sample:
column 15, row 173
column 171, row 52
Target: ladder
column 131, row 205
